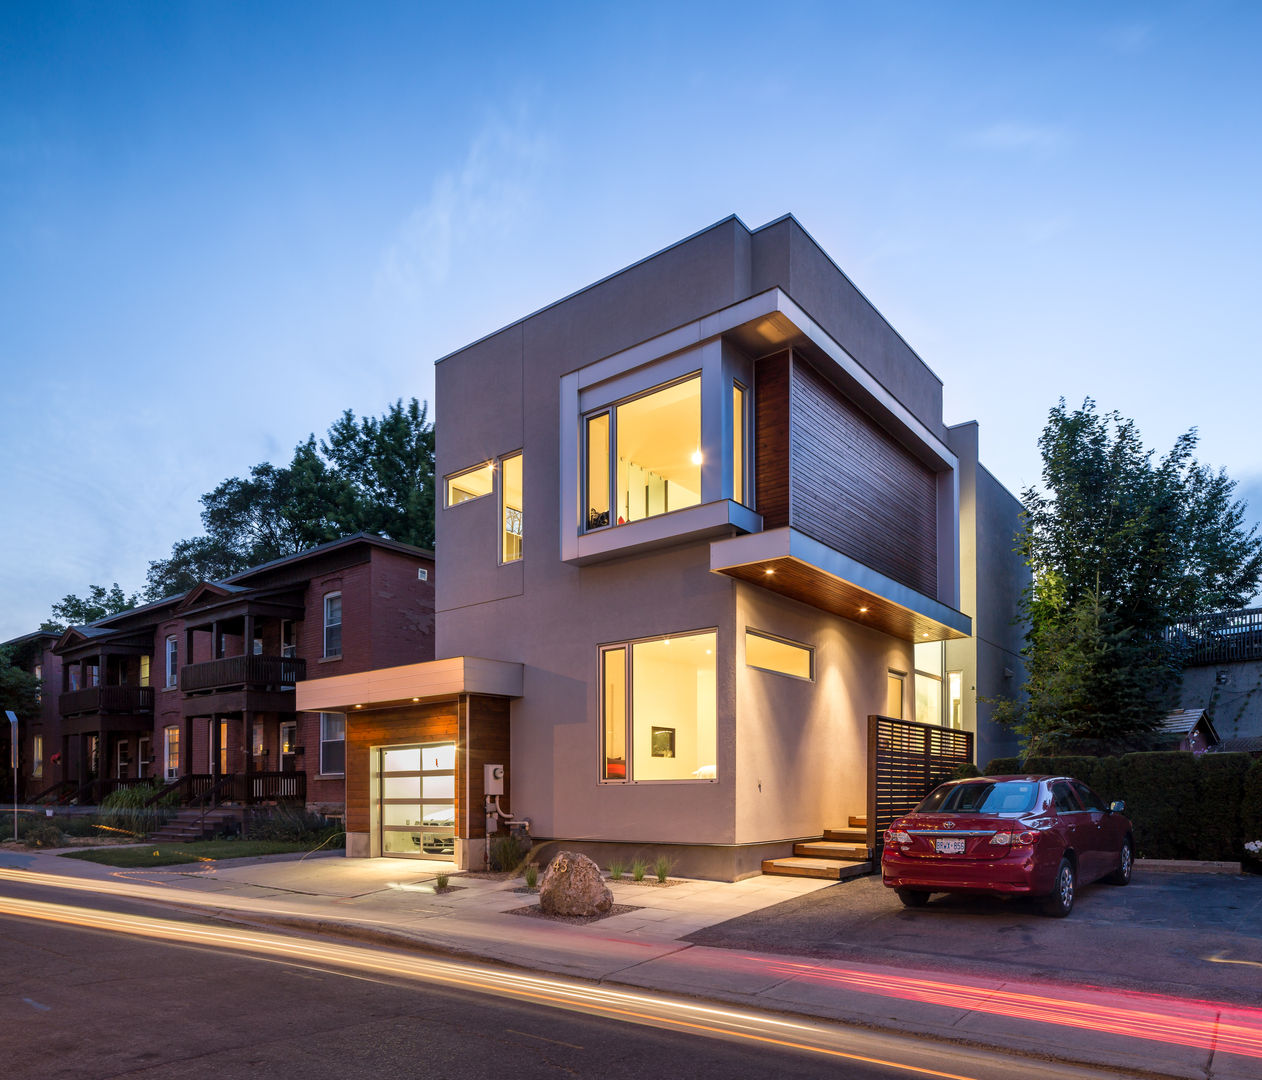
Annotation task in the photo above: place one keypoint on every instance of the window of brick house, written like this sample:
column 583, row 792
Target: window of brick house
column 332, row 744
column 333, row 624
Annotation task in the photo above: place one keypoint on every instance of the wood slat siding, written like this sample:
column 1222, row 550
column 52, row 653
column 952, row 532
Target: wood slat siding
column 416, row 724
column 477, row 725
column 906, row 761
column 856, row 489
column 771, row 439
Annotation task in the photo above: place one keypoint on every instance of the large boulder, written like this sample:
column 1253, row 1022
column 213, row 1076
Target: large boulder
column 572, row 885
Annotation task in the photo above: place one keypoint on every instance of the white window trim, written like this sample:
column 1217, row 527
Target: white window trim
column 172, row 661
column 447, row 503
column 324, row 640
column 324, row 741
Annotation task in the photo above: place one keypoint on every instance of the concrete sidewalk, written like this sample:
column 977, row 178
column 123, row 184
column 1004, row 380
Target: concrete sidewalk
column 395, row 903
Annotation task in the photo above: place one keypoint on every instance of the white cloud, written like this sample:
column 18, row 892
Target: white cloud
column 486, row 195
column 1040, row 139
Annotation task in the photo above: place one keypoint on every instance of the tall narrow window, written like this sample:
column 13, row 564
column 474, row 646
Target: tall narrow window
column 894, row 694
column 613, row 664
column 332, row 743
column 333, row 624
column 171, row 739
column 144, row 671
column 37, row 755
column 173, row 660
column 665, row 727
column 223, row 747
column 39, row 683
column 597, row 501
column 511, row 508
column 955, row 699
column 738, row 443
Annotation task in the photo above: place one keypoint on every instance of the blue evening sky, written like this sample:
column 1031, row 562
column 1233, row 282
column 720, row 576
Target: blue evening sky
column 221, row 224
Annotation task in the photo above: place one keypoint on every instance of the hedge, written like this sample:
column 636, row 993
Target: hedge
column 1183, row 806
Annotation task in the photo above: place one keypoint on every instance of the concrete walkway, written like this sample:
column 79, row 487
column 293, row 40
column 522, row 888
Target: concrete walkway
column 395, row 903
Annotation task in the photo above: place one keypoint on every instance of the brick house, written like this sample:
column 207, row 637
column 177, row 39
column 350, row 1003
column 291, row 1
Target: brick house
column 197, row 690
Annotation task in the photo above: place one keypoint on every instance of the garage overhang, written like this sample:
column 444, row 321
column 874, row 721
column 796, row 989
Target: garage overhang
column 389, row 688
column 790, row 563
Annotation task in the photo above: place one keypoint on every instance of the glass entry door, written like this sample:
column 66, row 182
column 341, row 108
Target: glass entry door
column 417, row 807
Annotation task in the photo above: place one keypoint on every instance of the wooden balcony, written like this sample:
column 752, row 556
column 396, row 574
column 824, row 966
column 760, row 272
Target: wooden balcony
column 241, row 683
column 107, row 699
column 243, row 672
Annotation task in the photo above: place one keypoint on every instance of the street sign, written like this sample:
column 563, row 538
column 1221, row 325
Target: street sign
column 13, row 738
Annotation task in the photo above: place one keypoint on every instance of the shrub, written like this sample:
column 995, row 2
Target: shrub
column 77, row 824
column 440, row 881
column 1251, row 813
column 124, row 810
column 293, row 824
column 638, row 869
column 1222, row 779
column 507, row 853
column 1002, row 766
column 531, row 875
column 616, row 869
column 963, row 772
column 41, row 834
column 661, row 868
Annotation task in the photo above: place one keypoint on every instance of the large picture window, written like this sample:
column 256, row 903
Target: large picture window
column 656, row 457
column 658, row 711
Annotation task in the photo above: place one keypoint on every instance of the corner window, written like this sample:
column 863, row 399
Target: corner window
column 775, row 654
column 37, row 756
column 332, row 743
column 658, row 709
column 173, row 661
column 511, row 508
column 333, row 624
column 656, row 460
column 470, row 484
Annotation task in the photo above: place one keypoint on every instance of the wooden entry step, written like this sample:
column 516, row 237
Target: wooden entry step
column 838, row 855
column 833, row 869
column 831, row 849
column 847, row 836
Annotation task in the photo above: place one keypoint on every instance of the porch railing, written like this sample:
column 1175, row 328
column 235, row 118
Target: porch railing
column 906, row 761
column 57, row 793
column 1221, row 638
column 252, row 672
column 199, row 789
column 107, row 699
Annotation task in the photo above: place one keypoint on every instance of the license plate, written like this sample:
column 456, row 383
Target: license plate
column 949, row 847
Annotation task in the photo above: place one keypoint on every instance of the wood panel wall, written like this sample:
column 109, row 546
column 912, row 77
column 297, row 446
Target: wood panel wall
column 771, row 439
column 484, row 730
column 855, row 488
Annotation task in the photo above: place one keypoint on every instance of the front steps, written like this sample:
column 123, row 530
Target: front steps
column 195, row 824
column 837, row 855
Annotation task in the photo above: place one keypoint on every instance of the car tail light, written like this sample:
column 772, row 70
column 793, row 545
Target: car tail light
column 1015, row 839
column 897, row 836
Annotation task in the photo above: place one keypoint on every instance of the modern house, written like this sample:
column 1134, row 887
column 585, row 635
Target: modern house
column 197, row 691
column 1222, row 673
column 702, row 524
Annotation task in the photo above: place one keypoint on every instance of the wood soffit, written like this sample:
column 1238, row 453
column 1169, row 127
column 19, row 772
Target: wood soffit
column 810, row 585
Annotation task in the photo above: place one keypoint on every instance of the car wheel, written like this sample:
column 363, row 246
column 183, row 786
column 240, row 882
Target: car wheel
column 1061, row 901
column 1122, row 875
column 913, row 897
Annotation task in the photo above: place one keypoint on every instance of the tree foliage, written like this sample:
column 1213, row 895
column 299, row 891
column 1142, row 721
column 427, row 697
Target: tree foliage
column 19, row 689
column 72, row 610
column 369, row 475
column 1120, row 545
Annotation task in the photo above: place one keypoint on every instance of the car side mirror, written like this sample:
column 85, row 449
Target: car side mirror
column 1116, row 806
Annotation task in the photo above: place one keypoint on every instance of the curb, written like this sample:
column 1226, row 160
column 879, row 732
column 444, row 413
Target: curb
column 1188, row 866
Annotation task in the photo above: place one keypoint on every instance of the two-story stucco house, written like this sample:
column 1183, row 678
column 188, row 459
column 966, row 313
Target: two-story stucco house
column 700, row 521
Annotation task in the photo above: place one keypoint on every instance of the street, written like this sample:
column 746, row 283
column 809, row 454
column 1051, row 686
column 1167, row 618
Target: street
column 124, row 989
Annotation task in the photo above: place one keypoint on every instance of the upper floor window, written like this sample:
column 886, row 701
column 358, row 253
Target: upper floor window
column 144, row 671
column 471, row 484
column 511, row 508
column 333, row 624
column 173, row 660
column 39, row 689
column 738, row 444
column 651, row 460
column 776, row 654
column 37, row 755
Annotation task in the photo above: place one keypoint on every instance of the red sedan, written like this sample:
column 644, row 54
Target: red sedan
column 1009, row 835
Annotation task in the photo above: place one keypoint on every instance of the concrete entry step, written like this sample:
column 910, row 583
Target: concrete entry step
column 828, row 849
column 833, row 869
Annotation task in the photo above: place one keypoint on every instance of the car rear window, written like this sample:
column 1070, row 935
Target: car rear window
column 1002, row 797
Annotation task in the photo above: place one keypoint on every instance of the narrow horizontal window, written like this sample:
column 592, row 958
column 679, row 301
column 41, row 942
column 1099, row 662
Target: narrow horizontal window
column 778, row 655
column 470, row 484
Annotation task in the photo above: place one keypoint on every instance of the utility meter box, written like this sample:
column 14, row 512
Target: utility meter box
column 492, row 779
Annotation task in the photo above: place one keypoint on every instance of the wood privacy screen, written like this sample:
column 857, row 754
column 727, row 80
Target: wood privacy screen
column 906, row 761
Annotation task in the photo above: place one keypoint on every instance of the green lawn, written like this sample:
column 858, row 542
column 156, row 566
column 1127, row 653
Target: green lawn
column 193, row 852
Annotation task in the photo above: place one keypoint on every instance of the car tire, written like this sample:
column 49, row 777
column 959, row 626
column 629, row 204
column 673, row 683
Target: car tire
column 1122, row 875
column 1061, row 900
column 913, row 897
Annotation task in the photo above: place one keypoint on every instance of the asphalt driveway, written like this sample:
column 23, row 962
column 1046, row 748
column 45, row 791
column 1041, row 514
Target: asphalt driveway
column 1189, row 934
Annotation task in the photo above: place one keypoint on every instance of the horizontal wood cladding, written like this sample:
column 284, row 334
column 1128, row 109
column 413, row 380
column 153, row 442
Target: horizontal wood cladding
column 418, row 724
column 771, row 439
column 853, row 487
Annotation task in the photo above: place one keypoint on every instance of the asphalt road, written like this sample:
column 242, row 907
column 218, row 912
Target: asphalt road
column 1192, row 935
column 92, row 1003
